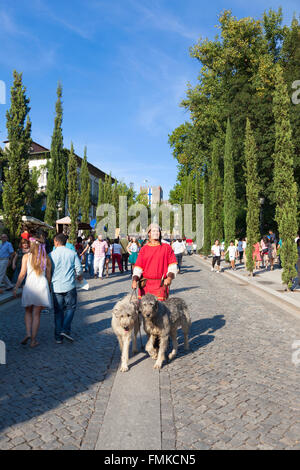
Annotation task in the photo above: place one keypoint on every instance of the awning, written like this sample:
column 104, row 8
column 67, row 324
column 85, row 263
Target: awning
column 32, row 222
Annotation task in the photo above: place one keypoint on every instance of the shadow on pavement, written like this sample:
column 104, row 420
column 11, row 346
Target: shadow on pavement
column 197, row 339
column 35, row 381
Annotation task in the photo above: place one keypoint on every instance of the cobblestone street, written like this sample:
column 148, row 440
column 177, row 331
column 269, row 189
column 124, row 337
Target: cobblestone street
column 236, row 388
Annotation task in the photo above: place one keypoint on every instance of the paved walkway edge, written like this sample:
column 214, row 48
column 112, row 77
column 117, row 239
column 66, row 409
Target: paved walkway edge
column 168, row 430
column 289, row 302
column 132, row 419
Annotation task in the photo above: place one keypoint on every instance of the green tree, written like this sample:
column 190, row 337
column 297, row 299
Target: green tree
column 237, row 80
column 73, row 195
column 16, row 173
column 229, row 189
column 285, row 188
column 85, row 190
column 207, row 213
column 252, row 193
column 100, row 196
column 216, row 215
column 57, row 174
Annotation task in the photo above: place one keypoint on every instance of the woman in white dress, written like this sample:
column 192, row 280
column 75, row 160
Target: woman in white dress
column 36, row 266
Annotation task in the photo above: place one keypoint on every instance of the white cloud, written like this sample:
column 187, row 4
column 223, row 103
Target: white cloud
column 163, row 21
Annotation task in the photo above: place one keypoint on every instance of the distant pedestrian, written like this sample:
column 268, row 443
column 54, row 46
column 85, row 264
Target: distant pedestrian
column 272, row 237
column 89, row 256
column 116, row 254
column 133, row 249
column 6, row 255
column 265, row 245
column 66, row 267
column 99, row 248
column 125, row 255
column 240, row 250
column 272, row 252
column 178, row 248
column 216, row 253
column 107, row 256
column 279, row 246
column 222, row 245
column 231, row 250
column 23, row 249
column 36, row 266
column 257, row 255
column 189, row 246
column 79, row 247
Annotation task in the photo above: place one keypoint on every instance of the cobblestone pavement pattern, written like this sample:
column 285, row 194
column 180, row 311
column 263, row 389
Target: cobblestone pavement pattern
column 237, row 388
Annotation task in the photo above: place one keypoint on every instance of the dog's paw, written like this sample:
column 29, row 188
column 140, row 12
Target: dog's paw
column 171, row 355
column 157, row 365
column 124, row 369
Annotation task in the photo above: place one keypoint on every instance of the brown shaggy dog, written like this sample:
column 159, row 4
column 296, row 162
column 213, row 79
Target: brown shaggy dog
column 162, row 319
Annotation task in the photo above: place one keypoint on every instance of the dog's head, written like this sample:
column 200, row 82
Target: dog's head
column 126, row 313
column 148, row 306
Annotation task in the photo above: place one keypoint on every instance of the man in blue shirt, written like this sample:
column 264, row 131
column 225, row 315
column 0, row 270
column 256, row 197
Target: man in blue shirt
column 66, row 267
column 6, row 254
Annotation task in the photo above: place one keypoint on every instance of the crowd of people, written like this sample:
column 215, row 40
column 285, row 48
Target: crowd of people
column 265, row 253
column 48, row 275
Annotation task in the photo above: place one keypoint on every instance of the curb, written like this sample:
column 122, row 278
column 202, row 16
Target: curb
column 292, row 303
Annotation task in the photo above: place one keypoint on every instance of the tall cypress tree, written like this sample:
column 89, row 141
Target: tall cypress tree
column 100, row 195
column 107, row 190
column 115, row 200
column 285, row 187
column 85, row 190
column 229, row 189
column 57, row 174
column 216, row 215
column 73, row 196
column 15, row 187
column 207, row 213
column 252, row 193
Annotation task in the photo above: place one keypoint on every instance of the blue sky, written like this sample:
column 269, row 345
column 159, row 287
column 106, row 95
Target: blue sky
column 124, row 66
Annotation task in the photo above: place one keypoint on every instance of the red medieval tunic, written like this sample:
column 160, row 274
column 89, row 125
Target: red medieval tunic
column 154, row 261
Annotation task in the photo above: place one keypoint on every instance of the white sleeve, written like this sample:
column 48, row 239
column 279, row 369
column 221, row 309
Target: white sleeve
column 172, row 268
column 137, row 271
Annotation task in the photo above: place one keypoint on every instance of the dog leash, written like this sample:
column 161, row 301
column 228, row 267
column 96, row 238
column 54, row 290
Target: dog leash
column 134, row 291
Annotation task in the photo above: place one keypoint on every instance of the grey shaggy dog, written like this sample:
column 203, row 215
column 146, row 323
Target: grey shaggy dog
column 161, row 320
column 125, row 320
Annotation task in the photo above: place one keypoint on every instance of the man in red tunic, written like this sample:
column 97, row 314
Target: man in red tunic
column 156, row 264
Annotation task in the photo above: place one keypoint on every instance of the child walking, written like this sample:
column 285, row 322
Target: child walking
column 232, row 254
